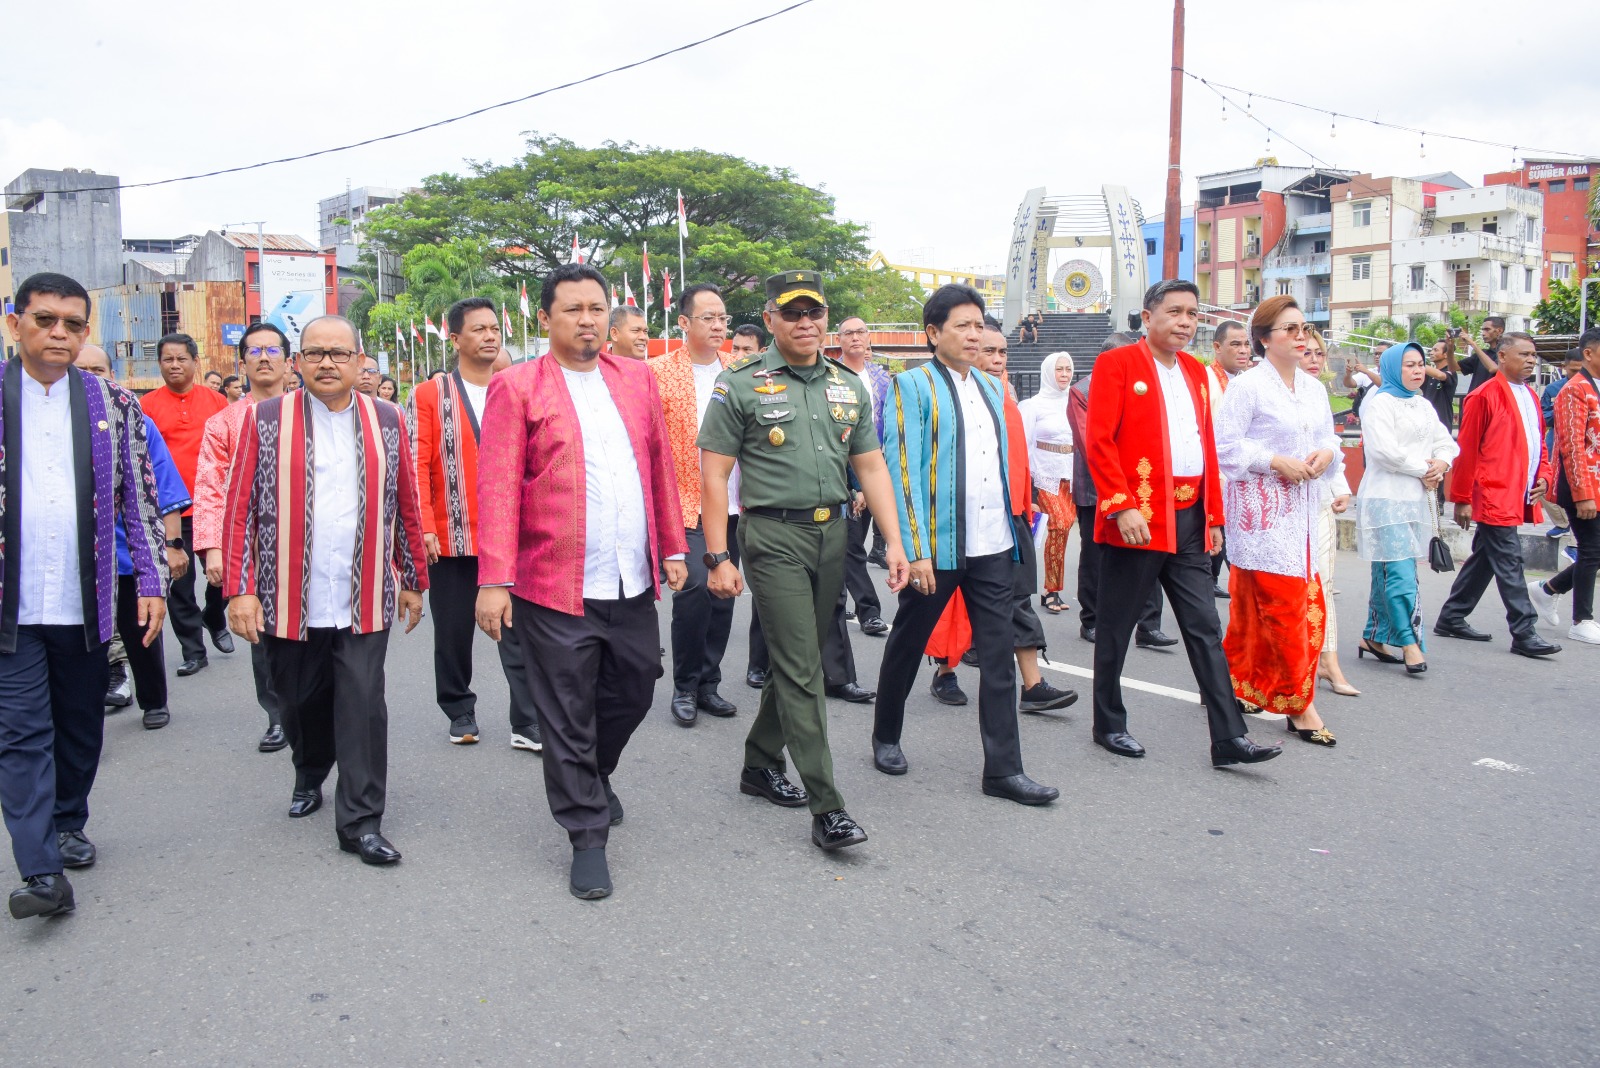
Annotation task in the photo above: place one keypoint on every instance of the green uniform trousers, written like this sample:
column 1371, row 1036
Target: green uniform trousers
column 796, row 572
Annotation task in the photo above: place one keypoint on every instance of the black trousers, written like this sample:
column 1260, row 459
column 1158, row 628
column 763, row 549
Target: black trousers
column 1026, row 630
column 453, row 597
column 856, row 580
column 701, row 623
column 838, row 658
column 593, row 678
column 189, row 622
column 330, row 687
column 148, row 666
column 1126, row 578
column 1579, row 577
column 1089, row 554
column 1497, row 555
column 52, row 723
column 266, row 696
column 988, row 585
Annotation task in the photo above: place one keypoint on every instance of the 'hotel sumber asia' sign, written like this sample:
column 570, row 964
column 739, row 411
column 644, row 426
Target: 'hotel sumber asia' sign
column 1540, row 172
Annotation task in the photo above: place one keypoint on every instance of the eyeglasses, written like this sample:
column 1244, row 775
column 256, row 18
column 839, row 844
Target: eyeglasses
column 1295, row 329
column 336, row 355
column 794, row 315
column 859, row 331
column 47, row 322
column 711, row 320
column 257, row 351
column 369, row 370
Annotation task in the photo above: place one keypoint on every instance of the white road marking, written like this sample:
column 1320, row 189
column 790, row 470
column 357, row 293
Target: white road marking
column 1498, row 765
column 1127, row 683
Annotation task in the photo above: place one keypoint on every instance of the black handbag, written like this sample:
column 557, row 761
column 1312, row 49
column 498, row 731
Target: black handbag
column 1439, row 557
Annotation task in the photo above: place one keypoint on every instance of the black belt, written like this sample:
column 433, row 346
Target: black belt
column 808, row 516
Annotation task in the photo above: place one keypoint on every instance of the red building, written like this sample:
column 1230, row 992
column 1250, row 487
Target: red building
column 1571, row 244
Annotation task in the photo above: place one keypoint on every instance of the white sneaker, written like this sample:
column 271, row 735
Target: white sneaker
column 1545, row 603
column 531, row 741
column 1588, row 632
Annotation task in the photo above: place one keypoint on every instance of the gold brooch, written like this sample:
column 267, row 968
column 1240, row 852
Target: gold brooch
column 1141, row 388
column 775, row 435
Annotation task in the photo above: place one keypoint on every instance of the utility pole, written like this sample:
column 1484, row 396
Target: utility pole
column 1172, row 224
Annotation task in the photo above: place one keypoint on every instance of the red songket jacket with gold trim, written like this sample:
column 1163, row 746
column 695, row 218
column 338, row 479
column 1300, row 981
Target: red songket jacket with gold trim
column 675, row 379
column 1130, row 459
column 267, row 528
column 1578, row 438
column 446, row 440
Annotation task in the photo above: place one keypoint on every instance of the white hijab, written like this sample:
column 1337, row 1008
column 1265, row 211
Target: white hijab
column 1050, row 394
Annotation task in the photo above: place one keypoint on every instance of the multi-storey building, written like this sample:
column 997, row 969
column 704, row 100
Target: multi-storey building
column 1476, row 249
column 1571, row 243
column 989, row 284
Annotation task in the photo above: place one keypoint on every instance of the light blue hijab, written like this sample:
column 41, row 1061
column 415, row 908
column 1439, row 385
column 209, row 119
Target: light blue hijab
column 1389, row 365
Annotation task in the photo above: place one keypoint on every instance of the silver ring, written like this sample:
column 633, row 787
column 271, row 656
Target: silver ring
column 916, row 582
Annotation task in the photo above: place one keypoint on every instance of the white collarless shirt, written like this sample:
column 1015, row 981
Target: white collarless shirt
column 1530, row 428
column 1183, row 426
column 49, row 587
column 705, row 378
column 616, row 556
column 988, row 523
column 476, row 396
column 335, row 516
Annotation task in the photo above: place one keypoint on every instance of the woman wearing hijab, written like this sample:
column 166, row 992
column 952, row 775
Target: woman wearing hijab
column 1408, row 452
column 1334, row 500
column 1275, row 444
column 1049, row 435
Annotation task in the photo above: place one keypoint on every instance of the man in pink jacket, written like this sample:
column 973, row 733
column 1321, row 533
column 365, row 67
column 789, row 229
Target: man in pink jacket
column 577, row 514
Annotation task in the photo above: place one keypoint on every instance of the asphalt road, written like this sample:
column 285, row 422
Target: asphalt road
column 1393, row 901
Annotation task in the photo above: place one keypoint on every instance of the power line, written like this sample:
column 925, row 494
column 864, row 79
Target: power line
column 456, row 118
column 1524, row 149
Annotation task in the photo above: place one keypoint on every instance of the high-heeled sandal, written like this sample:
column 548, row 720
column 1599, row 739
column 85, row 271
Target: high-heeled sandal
column 1051, row 602
column 1418, row 668
column 1347, row 691
column 1321, row 736
column 1378, row 654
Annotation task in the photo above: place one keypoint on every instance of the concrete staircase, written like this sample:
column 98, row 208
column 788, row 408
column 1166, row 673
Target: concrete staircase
column 1079, row 334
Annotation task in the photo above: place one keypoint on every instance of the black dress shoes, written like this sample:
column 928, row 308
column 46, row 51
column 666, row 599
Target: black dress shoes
column 304, row 802
column 685, row 708
column 373, row 848
column 613, row 802
column 1459, row 630
column 1019, row 788
column 222, row 640
column 836, row 830
column 1242, row 750
column 1534, row 647
column 42, row 895
column 189, row 667
column 1219, row 593
column 849, row 691
column 887, row 758
column 713, row 703
column 1087, row 634
column 874, row 627
column 273, row 740
column 1043, row 697
column 1120, row 743
column 156, row 718
column 76, row 850
column 755, row 679
column 878, row 558
column 591, row 876
column 1153, row 639
column 772, row 785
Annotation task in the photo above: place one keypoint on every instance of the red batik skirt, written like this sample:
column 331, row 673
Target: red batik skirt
column 1275, row 626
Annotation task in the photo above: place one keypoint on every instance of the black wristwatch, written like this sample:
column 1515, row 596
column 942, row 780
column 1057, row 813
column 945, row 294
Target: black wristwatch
column 711, row 560
column 174, row 543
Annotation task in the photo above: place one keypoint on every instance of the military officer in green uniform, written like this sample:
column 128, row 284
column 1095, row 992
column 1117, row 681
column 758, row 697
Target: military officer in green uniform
column 792, row 419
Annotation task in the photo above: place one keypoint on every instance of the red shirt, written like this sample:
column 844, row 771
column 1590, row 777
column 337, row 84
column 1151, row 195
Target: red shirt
column 181, row 418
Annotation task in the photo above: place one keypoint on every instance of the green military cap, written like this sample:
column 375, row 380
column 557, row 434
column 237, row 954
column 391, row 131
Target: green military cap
column 792, row 285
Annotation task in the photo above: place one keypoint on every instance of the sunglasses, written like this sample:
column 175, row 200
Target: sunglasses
column 47, row 322
column 794, row 315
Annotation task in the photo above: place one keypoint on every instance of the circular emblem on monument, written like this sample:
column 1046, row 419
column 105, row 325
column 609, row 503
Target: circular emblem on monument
column 1078, row 284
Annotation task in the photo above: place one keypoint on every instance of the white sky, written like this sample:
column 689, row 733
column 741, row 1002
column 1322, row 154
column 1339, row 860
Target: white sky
column 924, row 118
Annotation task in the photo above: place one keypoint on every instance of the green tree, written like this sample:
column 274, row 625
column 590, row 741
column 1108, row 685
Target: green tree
column 1559, row 313
column 745, row 222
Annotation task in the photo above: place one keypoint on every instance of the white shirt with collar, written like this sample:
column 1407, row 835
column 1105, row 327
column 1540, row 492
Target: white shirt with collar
column 705, row 379
column 988, row 521
column 1183, row 427
column 49, row 587
column 616, row 553
column 1529, row 407
column 335, row 516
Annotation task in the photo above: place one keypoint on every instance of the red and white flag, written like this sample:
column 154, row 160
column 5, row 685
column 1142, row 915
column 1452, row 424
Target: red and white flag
column 414, row 333
column 613, row 296
column 645, row 271
column 683, row 222
column 577, row 257
column 523, row 303
column 399, row 339
column 666, row 291
column 430, row 328
column 627, row 293
column 505, row 320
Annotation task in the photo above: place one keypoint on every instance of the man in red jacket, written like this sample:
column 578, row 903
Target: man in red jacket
column 1501, row 477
